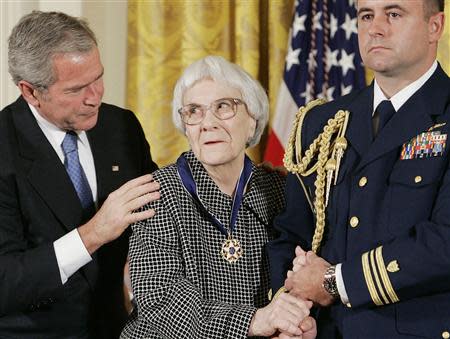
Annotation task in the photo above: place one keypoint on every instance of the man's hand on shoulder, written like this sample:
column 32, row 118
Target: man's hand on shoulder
column 119, row 211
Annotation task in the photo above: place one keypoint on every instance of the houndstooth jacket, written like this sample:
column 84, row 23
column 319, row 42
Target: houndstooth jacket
column 182, row 285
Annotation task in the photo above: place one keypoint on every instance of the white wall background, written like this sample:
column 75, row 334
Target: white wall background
column 107, row 18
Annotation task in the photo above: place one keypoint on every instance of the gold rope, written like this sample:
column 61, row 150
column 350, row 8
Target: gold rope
column 329, row 155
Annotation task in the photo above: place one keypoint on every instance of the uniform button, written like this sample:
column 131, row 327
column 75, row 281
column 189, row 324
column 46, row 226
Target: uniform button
column 362, row 182
column 445, row 335
column 418, row 179
column 354, row 221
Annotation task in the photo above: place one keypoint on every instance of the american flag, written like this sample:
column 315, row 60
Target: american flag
column 322, row 61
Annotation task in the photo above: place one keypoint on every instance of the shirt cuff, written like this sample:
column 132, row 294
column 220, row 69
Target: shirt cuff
column 340, row 285
column 71, row 254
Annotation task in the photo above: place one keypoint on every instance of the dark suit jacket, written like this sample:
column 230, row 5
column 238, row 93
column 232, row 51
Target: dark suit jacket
column 395, row 261
column 38, row 205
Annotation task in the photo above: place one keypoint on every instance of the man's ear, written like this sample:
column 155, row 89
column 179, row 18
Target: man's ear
column 436, row 26
column 28, row 92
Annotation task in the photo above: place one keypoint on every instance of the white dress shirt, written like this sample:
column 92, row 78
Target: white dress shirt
column 71, row 254
column 397, row 101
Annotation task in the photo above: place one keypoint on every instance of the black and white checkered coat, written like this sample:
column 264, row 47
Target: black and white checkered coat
column 182, row 285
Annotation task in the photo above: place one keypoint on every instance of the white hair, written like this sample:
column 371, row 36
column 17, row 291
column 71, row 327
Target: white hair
column 229, row 74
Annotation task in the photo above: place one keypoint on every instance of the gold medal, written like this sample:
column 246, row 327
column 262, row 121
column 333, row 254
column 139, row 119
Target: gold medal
column 231, row 250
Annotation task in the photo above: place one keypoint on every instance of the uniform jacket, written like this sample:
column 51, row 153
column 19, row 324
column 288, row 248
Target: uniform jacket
column 388, row 219
column 38, row 204
column 183, row 287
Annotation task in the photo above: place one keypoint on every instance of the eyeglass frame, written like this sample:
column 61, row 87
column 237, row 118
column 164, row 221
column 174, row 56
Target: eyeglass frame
column 205, row 108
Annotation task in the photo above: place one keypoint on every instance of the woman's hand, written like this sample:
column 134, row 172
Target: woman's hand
column 308, row 327
column 284, row 314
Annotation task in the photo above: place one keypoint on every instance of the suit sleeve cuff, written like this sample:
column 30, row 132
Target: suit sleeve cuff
column 71, row 254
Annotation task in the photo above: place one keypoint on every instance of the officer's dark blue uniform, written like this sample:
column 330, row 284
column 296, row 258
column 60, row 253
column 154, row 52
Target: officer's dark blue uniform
column 388, row 218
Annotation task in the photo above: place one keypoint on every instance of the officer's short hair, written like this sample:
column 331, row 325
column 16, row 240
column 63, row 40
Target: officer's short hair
column 433, row 6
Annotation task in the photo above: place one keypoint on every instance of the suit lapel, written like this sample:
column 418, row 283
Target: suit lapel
column 46, row 173
column 99, row 153
column 103, row 152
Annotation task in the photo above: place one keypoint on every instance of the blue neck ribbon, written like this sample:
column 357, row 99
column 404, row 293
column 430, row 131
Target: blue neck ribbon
column 185, row 174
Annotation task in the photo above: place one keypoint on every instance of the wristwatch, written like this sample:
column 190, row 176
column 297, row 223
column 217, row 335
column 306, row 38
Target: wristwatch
column 329, row 281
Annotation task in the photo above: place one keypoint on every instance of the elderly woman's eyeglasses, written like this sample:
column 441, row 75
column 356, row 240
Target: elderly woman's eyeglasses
column 223, row 109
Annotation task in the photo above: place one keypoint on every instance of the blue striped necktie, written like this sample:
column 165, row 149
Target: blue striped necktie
column 75, row 171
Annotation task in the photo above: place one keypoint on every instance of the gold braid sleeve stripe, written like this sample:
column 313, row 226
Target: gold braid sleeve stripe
column 329, row 154
column 384, row 275
column 377, row 278
column 369, row 281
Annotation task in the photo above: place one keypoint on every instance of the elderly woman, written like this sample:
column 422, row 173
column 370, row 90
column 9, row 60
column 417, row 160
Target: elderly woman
column 198, row 267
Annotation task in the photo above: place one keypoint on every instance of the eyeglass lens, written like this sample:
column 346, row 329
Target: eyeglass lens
column 223, row 109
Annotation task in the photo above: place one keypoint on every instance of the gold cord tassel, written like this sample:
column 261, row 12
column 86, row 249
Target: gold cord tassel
column 329, row 156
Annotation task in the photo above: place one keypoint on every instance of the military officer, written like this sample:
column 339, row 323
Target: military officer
column 366, row 230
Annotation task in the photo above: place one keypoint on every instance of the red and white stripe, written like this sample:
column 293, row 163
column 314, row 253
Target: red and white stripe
column 285, row 112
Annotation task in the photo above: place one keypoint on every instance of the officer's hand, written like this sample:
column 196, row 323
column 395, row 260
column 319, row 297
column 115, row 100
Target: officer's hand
column 306, row 282
column 117, row 212
column 299, row 260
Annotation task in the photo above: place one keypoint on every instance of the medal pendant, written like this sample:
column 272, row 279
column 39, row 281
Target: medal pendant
column 231, row 250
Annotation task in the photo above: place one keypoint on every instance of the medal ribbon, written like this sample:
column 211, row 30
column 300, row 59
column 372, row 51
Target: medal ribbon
column 185, row 174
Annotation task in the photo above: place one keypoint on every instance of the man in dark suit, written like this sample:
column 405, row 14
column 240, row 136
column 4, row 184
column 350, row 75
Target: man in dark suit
column 74, row 174
column 368, row 207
